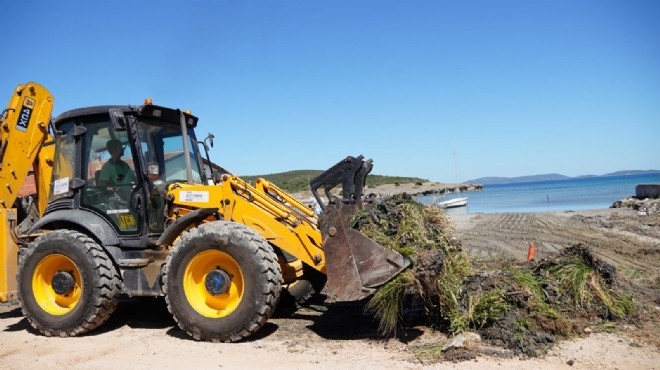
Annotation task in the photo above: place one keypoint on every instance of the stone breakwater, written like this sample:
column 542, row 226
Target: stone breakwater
column 422, row 188
column 452, row 189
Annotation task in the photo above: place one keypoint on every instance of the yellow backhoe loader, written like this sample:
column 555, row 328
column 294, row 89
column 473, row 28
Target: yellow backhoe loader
column 126, row 206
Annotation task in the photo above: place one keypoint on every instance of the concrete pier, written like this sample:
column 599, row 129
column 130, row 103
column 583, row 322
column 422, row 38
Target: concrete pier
column 647, row 191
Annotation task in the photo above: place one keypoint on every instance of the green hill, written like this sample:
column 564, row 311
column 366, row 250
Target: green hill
column 296, row 181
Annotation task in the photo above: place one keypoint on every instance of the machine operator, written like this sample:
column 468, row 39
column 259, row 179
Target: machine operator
column 115, row 171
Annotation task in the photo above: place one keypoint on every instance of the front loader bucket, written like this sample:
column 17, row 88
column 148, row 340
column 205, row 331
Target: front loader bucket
column 355, row 265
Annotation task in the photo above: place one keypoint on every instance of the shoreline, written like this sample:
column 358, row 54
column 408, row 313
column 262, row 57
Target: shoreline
column 640, row 207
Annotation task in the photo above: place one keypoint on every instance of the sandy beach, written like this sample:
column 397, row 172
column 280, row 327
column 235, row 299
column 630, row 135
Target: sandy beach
column 141, row 334
column 620, row 237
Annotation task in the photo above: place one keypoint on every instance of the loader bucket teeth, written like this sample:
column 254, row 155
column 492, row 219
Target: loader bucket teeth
column 356, row 266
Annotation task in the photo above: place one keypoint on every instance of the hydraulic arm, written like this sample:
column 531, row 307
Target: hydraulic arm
column 354, row 264
column 24, row 138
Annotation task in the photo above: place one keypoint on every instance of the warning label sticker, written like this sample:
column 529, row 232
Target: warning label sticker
column 194, row 196
column 61, row 186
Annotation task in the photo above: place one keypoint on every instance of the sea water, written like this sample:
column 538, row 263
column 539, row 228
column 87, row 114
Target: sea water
column 546, row 196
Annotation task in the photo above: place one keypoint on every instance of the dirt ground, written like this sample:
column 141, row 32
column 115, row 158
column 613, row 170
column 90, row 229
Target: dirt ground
column 142, row 334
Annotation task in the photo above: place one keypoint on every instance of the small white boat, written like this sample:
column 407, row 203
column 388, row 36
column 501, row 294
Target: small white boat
column 453, row 203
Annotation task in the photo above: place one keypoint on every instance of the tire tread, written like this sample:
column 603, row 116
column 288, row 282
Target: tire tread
column 268, row 265
column 107, row 285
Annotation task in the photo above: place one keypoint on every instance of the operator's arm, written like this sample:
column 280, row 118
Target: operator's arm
column 104, row 176
column 130, row 175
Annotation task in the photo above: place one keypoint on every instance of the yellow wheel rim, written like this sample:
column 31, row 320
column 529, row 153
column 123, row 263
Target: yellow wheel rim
column 45, row 295
column 194, row 278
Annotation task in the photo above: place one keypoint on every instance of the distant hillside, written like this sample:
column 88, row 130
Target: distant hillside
column 632, row 173
column 552, row 176
column 295, row 181
column 509, row 180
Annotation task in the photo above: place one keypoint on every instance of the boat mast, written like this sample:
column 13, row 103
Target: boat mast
column 453, row 153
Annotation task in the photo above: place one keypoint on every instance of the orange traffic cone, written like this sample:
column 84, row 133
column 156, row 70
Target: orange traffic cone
column 531, row 252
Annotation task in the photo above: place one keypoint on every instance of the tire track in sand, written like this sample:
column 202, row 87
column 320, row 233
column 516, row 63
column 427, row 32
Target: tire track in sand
column 509, row 235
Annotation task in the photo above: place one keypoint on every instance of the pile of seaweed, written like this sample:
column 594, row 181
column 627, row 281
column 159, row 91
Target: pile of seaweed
column 523, row 307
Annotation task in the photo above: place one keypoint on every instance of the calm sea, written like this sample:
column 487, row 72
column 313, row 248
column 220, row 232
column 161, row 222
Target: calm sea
column 556, row 195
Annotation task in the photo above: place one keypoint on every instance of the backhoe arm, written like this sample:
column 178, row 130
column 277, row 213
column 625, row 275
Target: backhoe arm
column 23, row 137
column 23, row 134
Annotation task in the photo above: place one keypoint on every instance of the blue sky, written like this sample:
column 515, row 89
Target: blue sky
column 520, row 87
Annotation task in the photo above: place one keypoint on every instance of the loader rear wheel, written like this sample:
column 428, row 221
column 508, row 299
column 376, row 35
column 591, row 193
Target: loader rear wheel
column 67, row 284
column 221, row 282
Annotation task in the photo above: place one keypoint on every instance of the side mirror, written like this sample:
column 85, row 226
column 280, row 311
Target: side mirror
column 210, row 137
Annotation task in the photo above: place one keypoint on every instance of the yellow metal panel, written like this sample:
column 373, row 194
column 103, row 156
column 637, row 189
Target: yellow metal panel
column 277, row 219
column 196, row 196
column 294, row 232
column 8, row 255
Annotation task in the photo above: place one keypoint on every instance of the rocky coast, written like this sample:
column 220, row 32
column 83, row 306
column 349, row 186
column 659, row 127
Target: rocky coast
column 420, row 188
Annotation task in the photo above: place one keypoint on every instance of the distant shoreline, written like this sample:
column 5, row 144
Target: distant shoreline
column 494, row 180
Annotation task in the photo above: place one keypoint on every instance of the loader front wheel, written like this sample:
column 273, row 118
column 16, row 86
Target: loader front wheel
column 67, row 284
column 221, row 282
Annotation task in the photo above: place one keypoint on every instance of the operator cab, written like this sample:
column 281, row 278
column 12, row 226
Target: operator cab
column 117, row 161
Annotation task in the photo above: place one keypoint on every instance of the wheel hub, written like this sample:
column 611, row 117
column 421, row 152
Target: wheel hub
column 63, row 282
column 217, row 282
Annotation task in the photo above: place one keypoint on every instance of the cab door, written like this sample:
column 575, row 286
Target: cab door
column 112, row 184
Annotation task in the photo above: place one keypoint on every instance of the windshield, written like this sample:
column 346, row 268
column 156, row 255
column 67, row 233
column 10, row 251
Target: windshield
column 162, row 148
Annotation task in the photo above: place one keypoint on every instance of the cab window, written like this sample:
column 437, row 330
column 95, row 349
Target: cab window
column 109, row 171
column 63, row 167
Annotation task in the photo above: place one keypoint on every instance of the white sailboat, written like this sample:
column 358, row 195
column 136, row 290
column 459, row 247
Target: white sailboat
column 453, row 203
column 458, row 201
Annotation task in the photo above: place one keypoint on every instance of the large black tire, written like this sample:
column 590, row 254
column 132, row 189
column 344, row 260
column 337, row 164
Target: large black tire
column 250, row 296
column 94, row 291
